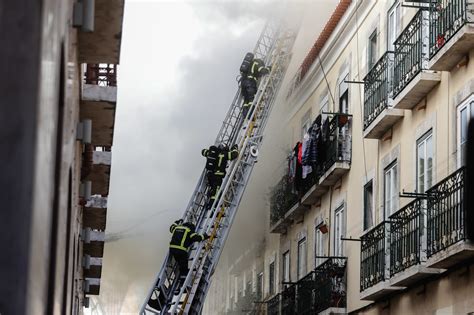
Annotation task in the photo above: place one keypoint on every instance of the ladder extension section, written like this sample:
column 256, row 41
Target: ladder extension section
column 273, row 47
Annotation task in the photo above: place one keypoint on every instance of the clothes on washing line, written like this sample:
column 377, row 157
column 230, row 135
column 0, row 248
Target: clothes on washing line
column 306, row 168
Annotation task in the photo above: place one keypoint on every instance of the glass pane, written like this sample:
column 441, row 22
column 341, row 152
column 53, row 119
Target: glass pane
column 394, row 187
column 463, row 135
column 387, row 196
column 421, row 167
column 429, row 162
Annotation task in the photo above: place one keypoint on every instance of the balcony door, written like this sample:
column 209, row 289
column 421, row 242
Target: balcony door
column 464, row 113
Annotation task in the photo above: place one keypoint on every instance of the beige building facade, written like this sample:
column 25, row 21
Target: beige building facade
column 378, row 224
column 59, row 91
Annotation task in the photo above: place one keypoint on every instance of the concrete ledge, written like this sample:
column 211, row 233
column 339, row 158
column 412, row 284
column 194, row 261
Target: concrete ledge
column 454, row 50
column 334, row 173
column 334, row 311
column 387, row 118
column 313, row 194
column 452, row 255
column 417, row 89
column 413, row 274
column 295, row 213
column 97, row 93
column 379, row 290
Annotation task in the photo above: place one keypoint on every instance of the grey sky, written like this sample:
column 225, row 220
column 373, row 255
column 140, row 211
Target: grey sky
column 179, row 61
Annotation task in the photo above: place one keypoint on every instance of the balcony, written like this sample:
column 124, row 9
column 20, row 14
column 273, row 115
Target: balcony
column 96, row 168
column 288, row 300
column 273, row 305
column 451, row 32
column 98, row 101
column 330, row 294
column 411, row 79
column 284, row 206
column 379, row 115
column 407, row 245
column 334, row 161
column 447, row 243
column 103, row 44
column 374, row 262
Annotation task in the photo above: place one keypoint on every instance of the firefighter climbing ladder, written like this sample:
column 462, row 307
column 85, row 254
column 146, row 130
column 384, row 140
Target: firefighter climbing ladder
column 273, row 47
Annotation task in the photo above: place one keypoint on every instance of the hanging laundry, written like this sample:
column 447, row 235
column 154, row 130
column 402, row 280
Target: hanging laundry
column 306, row 168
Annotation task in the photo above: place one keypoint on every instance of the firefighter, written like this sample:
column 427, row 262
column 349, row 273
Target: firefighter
column 251, row 70
column 216, row 164
column 184, row 235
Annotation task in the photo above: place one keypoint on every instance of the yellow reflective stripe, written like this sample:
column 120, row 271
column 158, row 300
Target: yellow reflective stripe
column 219, row 173
column 253, row 66
column 221, row 156
column 260, row 69
column 186, row 231
column 172, row 227
column 251, row 77
column 179, row 247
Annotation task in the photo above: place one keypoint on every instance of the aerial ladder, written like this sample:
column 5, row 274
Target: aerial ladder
column 168, row 294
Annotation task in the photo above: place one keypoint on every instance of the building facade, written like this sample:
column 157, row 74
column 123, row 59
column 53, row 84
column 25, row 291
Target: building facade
column 58, row 99
column 368, row 214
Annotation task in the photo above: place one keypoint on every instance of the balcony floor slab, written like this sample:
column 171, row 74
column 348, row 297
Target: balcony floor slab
column 387, row 118
column 379, row 290
column 313, row 194
column 334, row 173
column 417, row 89
column 452, row 255
column 334, row 311
column 454, row 50
column 413, row 274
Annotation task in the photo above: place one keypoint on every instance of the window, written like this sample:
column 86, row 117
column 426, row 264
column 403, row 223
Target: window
column 271, row 278
column 424, row 162
column 372, row 52
column 368, row 205
column 286, row 267
column 344, row 96
column 465, row 112
column 260, row 286
column 319, row 243
column 301, row 258
column 393, row 25
column 339, row 231
column 305, row 123
column 391, row 189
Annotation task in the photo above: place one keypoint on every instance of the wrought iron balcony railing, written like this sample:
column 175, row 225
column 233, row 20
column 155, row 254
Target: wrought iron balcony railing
column 446, row 212
column 373, row 248
column 282, row 199
column 405, row 237
column 101, row 74
column 378, row 88
column 409, row 57
column 446, row 18
column 331, row 290
column 337, row 148
column 273, row 305
column 305, row 288
column 288, row 300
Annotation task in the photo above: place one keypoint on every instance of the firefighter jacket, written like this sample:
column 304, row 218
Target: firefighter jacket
column 216, row 159
column 183, row 237
column 257, row 70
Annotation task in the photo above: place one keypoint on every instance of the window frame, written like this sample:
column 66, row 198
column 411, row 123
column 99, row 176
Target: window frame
column 372, row 54
column 393, row 192
column 396, row 10
column 467, row 104
column 370, row 183
column 301, row 264
column 319, row 245
column 423, row 140
column 271, row 278
column 259, row 288
column 339, row 218
column 286, row 267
